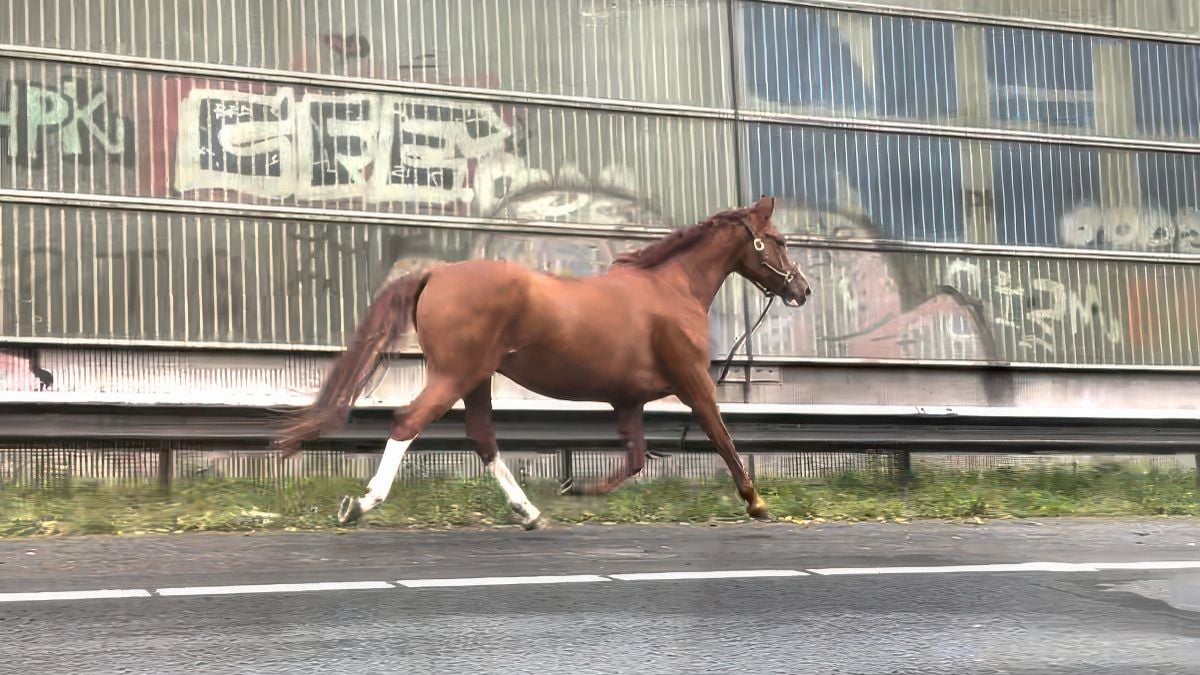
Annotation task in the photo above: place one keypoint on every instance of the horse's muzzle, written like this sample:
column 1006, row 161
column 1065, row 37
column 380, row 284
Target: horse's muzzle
column 796, row 292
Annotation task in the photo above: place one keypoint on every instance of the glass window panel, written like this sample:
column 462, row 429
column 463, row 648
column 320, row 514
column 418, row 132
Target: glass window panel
column 1041, row 78
column 931, row 189
column 853, row 65
column 1179, row 17
column 1166, row 86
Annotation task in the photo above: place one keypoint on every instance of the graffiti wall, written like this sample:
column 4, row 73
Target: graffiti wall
column 103, row 274
column 255, row 143
column 910, row 305
column 416, row 117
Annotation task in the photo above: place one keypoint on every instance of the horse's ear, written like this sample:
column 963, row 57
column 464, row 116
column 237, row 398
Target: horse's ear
column 764, row 207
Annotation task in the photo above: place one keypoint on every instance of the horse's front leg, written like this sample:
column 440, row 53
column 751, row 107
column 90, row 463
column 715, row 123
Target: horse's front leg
column 686, row 368
column 631, row 426
column 702, row 400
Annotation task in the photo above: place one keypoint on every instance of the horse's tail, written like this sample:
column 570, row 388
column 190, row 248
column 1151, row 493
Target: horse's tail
column 388, row 317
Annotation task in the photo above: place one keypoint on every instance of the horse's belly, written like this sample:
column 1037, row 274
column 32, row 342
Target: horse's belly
column 585, row 342
column 562, row 377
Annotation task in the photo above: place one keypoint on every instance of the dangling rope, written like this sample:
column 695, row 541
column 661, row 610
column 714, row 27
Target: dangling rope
column 729, row 361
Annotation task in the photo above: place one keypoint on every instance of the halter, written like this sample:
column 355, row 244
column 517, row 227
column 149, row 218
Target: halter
column 760, row 247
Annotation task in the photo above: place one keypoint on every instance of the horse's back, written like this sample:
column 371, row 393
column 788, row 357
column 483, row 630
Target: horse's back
column 584, row 338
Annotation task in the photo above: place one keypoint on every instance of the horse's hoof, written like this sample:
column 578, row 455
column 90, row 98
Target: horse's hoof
column 350, row 510
column 766, row 517
column 758, row 510
column 539, row 523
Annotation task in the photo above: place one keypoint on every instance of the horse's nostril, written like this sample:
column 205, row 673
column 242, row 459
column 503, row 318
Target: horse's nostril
column 808, row 291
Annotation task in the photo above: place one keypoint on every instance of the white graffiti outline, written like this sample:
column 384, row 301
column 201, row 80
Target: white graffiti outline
column 440, row 139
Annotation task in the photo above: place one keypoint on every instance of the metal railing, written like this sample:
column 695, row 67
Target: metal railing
column 40, row 443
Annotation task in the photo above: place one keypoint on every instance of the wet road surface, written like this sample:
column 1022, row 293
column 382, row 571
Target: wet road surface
column 835, row 612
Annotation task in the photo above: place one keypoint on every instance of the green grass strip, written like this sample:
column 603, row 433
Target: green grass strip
column 78, row 508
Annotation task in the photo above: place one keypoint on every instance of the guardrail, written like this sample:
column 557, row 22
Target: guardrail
column 566, row 430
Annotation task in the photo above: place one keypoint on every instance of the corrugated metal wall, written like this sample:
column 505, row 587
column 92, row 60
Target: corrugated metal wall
column 963, row 182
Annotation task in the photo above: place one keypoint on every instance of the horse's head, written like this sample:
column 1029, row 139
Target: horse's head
column 765, row 260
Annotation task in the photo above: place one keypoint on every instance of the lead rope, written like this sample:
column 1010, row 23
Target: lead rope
column 729, row 361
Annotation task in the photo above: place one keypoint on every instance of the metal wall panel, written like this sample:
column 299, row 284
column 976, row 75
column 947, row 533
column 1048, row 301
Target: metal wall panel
column 934, row 189
column 804, row 60
column 206, row 280
column 118, row 132
column 660, row 51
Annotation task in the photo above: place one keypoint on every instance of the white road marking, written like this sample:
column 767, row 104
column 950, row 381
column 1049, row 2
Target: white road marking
column 592, row 578
column 276, row 588
column 74, row 595
column 1149, row 565
column 950, row 569
column 724, row 574
column 501, row 581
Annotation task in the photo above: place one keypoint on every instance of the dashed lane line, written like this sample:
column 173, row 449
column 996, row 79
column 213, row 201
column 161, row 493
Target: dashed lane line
column 183, row 591
column 727, row 574
column 75, row 595
column 274, row 588
column 501, row 581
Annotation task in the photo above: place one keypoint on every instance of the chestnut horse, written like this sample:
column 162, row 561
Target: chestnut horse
column 634, row 334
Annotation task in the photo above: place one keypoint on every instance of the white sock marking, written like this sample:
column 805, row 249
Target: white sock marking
column 500, row 581
column 385, row 475
column 276, row 588
column 516, row 496
column 724, row 574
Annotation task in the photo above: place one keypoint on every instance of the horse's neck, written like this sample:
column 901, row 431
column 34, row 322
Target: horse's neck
column 703, row 268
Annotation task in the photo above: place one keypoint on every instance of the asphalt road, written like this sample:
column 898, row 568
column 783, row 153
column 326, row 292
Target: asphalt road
column 1110, row 619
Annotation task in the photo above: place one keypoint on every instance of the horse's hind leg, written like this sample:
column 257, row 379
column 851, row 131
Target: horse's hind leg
column 434, row 400
column 352, row 508
column 631, row 425
column 482, row 430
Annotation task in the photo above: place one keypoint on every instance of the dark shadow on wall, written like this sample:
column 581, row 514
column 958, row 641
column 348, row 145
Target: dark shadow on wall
column 20, row 368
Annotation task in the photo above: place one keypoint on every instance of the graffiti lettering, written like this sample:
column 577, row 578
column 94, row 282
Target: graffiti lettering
column 75, row 117
column 380, row 148
column 339, row 143
column 1083, row 311
column 237, row 141
column 1130, row 229
column 1052, row 306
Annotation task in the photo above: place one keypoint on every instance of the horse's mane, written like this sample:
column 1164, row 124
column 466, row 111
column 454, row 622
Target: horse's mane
column 678, row 241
